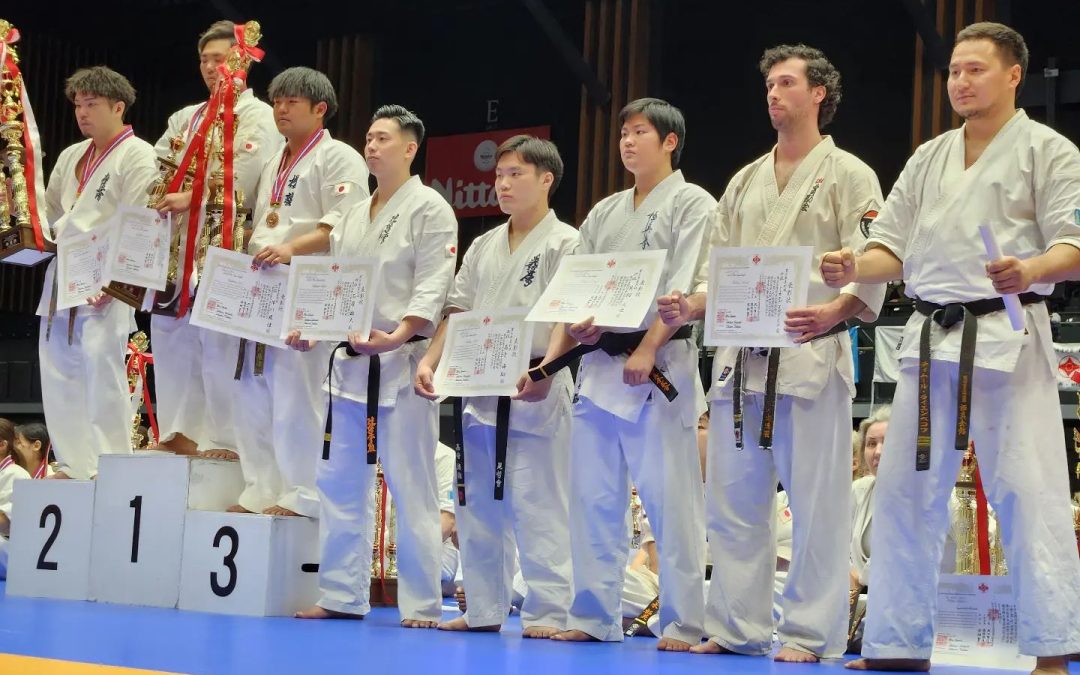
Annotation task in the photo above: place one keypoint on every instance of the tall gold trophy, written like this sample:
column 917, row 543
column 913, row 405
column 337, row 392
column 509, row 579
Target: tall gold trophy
column 384, row 573
column 966, row 526
column 211, row 231
column 18, row 215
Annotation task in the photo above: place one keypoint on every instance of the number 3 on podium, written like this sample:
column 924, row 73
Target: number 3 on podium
column 219, row 589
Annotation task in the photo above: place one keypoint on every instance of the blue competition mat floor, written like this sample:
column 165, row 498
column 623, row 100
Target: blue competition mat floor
column 207, row 644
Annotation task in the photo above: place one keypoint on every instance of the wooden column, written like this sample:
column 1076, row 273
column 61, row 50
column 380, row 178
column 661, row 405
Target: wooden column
column 349, row 63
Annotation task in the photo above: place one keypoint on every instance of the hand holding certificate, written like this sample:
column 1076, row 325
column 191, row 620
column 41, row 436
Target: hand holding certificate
column 616, row 289
column 237, row 300
column 485, row 353
column 139, row 254
column 328, row 298
column 80, row 268
column 750, row 292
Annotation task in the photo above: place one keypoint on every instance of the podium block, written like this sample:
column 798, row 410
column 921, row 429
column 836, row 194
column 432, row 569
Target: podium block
column 139, row 511
column 255, row 565
column 49, row 550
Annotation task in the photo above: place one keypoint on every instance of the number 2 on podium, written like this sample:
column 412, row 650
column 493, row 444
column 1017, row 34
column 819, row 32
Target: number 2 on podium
column 50, row 510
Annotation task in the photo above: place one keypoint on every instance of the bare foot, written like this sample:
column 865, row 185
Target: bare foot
column 539, row 632
column 317, row 612
column 58, row 475
column 236, row 508
column 912, row 665
column 279, row 511
column 709, row 647
column 1051, row 665
column 789, row 655
column 179, row 444
column 461, row 625
column 218, row 453
column 459, row 595
column 573, row 636
column 672, row 645
column 418, row 623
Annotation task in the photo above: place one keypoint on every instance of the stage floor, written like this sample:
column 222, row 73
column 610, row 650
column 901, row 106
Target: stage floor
column 70, row 634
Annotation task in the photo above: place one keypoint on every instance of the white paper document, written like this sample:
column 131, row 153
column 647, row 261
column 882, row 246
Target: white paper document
column 330, row 297
column 237, row 300
column 80, row 267
column 139, row 252
column 750, row 292
column 485, row 353
column 616, row 289
column 976, row 624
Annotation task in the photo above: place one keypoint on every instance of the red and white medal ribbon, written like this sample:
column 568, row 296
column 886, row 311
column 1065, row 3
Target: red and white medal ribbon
column 283, row 172
column 91, row 160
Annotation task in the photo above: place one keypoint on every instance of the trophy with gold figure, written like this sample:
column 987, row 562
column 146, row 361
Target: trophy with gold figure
column 978, row 551
column 22, row 187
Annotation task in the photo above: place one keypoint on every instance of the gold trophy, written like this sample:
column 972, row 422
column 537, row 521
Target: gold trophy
column 141, row 343
column 16, row 220
column 966, row 528
column 384, row 553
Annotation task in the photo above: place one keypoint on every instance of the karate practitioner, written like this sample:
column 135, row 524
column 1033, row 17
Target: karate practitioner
column 624, row 426
column 413, row 232
column 303, row 194
column 84, row 388
column 194, row 366
column 11, row 470
column 510, row 266
column 992, row 384
column 803, row 192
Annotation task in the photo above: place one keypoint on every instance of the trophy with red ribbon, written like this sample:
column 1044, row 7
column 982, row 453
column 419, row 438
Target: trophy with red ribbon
column 22, row 188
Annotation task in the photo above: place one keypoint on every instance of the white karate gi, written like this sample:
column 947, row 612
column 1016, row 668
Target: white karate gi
column 620, row 430
column 194, row 366
column 534, row 512
column 8, row 475
column 1026, row 185
column 444, row 478
column 823, row 205
column 84, row 387
column 862, row 514
column 415, row 238
column 279, row 415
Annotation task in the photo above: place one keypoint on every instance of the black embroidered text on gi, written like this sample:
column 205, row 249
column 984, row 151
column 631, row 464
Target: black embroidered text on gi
column 649, row 220
column 530, row 270
column 288, row 199
column 100, row 192
column 810, row 195
column 386, row 230
column 293, row 181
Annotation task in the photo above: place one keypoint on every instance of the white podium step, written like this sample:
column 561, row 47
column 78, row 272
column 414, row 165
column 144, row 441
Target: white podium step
column 49, row 550
column 140, row 506
column 249, row 564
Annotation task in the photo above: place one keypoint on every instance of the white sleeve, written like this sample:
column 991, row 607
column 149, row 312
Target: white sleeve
column 862, row 197
column 444, row 476
column 463, row 291
column 344, row 185
column 140, row 172
column 174, row 128
column 436, row 254
column 717, row 233
column 894, row 225
column 690, row 222
column 1057, row 192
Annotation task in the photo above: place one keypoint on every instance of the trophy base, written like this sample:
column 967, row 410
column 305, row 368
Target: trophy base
column 383, row 592
column 133, row 296
column 17, row 247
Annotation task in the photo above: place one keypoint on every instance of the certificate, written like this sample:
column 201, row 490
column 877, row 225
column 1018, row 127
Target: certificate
column 976, row 624
column 139, row 254
column 329, row 297
column 237, row 300
column 616, row 289
column 80, row 268
column 750, row 292
column 485, row 353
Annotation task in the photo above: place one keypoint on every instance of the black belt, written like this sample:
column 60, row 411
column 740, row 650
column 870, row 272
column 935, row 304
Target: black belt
column 948, row 316
column 642, row 620
column 615, row 344
column 768, row 414
column 372, row 425
column 502, row 437
column 260, row 359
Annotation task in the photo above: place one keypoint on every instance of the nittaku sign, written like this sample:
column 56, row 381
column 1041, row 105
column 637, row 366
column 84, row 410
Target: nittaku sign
column 462, row 168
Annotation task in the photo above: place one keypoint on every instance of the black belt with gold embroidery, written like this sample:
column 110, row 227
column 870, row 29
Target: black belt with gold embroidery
column 260, row 359
column 642, row 620
column 502, row 438
column 615, row 344
column 947, row 316
column 373, row 392
column 768, row 413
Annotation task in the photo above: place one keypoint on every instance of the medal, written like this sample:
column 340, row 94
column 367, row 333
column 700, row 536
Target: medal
column 272, row 218
column 283, row 171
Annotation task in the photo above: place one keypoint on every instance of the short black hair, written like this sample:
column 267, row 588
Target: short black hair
column 219, row 30
column 100, row 81
column 1009, row 43
column 306, row 83
column 539, row 152
column 665, row 117
column 405, row 118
